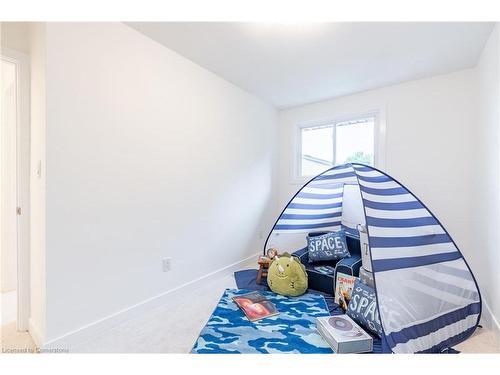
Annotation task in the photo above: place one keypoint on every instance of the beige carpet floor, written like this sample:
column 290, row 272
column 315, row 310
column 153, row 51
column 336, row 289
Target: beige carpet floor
column 14, row 341
column 169, row 329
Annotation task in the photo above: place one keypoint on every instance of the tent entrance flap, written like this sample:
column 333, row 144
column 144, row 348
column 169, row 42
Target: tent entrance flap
column 427, row 296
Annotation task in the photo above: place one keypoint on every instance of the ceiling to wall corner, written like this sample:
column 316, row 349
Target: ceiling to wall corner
column 294, row 64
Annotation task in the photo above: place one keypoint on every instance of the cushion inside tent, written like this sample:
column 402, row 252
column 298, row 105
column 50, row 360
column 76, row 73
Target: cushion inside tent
column 428, row 299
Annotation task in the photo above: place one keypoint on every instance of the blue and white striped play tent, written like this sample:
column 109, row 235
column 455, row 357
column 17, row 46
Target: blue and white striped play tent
column 428, row 299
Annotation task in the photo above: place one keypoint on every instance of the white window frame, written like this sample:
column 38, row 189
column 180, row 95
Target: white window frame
column 379, row 139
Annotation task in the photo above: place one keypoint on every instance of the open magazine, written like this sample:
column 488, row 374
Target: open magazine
column 255, row 306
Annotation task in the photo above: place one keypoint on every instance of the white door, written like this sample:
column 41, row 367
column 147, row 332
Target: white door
column 14, row 187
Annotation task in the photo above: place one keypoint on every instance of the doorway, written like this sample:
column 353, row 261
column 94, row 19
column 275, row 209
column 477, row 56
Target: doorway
column 14, row 189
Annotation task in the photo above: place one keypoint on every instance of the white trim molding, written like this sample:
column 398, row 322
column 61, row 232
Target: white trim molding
column 35, row 333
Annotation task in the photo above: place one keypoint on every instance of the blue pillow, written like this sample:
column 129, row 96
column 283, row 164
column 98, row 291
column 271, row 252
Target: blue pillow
column 362, row 308
column 327, row 246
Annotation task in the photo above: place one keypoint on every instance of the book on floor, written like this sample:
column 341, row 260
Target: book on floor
column 343, row 289
column 344, row 335
column 255, row 306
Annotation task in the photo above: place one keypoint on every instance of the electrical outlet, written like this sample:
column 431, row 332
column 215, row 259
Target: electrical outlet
column 261, row 234
column 166, row 264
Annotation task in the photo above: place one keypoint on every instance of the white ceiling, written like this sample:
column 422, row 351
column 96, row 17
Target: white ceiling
column 294, row 64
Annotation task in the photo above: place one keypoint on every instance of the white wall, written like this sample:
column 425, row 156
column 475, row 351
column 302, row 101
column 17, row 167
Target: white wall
column 486, row 180
column 148, row 156
column 431, row 126
column 15, row 35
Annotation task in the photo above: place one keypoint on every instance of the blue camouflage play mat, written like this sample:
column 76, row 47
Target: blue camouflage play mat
column 292, row 331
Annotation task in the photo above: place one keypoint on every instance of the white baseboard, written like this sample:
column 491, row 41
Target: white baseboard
column 488, row 320
column 35, row 333
column 90, row 330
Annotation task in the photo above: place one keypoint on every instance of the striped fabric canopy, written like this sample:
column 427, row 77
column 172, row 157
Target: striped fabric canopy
column 428, row 299
column 318, row 205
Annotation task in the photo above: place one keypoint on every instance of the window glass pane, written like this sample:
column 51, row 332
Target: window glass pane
column 355, row 141
column 317, row 149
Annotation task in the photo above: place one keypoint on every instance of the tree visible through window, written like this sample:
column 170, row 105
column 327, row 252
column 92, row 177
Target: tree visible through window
column 337, row 143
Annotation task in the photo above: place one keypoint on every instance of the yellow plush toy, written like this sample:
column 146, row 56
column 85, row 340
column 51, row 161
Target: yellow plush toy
column 287, row 276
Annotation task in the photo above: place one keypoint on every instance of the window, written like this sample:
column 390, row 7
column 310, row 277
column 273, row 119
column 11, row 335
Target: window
column 324, row 145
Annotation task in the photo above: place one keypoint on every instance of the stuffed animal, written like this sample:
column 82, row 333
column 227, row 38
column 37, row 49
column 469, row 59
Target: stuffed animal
column 287, row 276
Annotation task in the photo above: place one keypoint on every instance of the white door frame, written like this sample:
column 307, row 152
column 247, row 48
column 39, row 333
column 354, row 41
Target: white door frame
column 23, row 183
